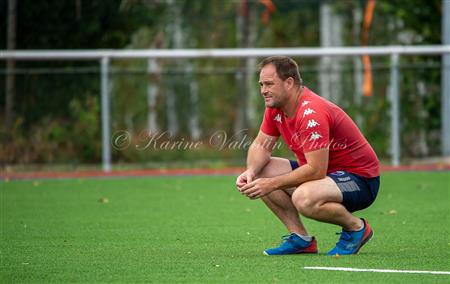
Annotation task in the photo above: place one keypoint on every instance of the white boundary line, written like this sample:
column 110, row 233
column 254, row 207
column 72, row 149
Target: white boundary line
column 376, row 270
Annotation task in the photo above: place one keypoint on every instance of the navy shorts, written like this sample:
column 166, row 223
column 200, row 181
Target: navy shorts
column 358, row 192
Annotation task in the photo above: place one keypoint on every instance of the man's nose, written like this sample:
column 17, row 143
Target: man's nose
column 264, row 90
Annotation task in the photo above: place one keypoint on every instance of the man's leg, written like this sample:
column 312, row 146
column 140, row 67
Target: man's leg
column 322, row 200
column 280, row 201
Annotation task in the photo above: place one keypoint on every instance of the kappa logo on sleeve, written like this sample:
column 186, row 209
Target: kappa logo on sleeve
column 312, row 123
column 277, row 118
column 305, row 103
column 308, row 111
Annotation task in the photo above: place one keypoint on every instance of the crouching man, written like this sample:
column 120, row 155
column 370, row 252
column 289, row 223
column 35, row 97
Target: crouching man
column 336, row 171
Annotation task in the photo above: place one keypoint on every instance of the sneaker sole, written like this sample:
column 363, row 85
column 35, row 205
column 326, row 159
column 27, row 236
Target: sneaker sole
column 364, row 241
column 307, row 252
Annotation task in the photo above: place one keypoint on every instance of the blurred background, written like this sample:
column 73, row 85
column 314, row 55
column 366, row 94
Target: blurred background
column 50, row 110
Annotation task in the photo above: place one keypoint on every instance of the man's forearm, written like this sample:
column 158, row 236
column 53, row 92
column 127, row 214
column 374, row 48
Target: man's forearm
column 295, row 178
column 257, row 158
column 315, row 169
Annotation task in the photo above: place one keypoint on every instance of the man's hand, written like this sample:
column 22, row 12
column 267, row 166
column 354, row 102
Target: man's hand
column 258, row 188
column 245, row 178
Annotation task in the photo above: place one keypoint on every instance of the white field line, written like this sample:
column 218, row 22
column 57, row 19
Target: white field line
column 376, row 270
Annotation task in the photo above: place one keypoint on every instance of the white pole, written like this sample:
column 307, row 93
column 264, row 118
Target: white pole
column 445, row 89
column 395, row 111
column 106, row 126
column 222, row 53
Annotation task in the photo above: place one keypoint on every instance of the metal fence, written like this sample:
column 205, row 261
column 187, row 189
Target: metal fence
column 393, row 52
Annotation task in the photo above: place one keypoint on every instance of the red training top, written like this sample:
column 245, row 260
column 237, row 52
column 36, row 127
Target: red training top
column 319, row 124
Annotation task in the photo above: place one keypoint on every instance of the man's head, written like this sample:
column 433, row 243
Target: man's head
column 279, row 78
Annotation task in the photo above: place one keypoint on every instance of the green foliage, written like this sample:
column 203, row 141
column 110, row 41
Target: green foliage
column 64, row 25
column 56, row 103
column 294, row 24
column 85, row 132
column 73, row 139
column 38, row 146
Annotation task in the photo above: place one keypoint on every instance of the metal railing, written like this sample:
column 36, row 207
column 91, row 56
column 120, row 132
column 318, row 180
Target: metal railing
column 105, row 56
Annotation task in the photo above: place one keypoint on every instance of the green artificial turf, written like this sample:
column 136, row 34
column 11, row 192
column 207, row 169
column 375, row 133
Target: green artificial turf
column 200, row 229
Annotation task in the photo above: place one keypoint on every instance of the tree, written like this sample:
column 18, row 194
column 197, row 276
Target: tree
column 10, row 64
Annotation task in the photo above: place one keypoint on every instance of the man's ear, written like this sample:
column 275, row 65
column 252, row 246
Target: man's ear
column 289, row 83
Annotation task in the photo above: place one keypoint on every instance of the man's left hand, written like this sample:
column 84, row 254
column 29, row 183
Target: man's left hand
column 258, row 188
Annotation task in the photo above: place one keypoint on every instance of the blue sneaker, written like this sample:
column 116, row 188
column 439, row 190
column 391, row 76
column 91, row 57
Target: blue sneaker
column 351, row 242
column 293, row 244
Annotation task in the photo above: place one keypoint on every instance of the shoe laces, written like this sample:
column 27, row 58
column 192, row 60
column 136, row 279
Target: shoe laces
column 344, row 240
column 287, row 238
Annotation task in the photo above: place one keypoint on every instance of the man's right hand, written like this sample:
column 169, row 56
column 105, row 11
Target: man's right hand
column 244, row 178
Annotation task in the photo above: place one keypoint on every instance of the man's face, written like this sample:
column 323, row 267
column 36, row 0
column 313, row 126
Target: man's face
column 272, row 87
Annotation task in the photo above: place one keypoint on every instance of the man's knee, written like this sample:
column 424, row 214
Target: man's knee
column 305, row 201
column 275, row 167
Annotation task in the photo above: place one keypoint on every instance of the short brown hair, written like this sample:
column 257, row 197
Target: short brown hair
column 285, row 66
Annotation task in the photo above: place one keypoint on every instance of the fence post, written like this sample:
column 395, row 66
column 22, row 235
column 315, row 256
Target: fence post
column 445, row 85
column 106, row 125
column 395, row 110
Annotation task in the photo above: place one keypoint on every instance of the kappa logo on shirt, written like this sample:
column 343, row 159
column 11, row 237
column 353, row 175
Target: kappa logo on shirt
column 305, row 103
column 312, row 123
column 277, row 118
column 314, row 136
column 308, row 111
